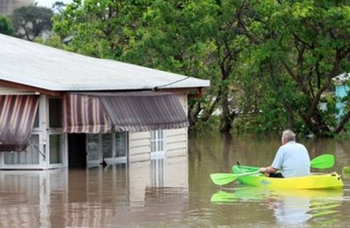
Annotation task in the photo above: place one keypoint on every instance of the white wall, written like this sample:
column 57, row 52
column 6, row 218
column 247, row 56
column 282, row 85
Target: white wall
column 139, row 146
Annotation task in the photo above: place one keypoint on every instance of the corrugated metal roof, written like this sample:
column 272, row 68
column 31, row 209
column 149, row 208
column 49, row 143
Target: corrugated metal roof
column 53, row 69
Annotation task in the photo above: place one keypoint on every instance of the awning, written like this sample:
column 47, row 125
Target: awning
column 17, row 114
column 84, row 114
column 133, row 111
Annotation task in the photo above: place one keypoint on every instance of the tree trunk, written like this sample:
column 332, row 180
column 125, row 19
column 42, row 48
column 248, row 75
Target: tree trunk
column 226, row 123
column 317, row 125
column 290, row 116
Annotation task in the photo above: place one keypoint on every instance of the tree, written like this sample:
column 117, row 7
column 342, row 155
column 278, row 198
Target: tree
column 58, row 6
column 6, row 26
column 100, row 28
column 304, row 45
column 32, row 21
column 175, row 37
column 52, row 41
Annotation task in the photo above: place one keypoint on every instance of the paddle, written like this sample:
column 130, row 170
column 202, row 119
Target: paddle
column 320, row 162
column 225, row 178
column 323, row 161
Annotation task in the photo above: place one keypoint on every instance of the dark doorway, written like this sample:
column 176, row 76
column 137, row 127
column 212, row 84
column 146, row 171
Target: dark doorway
column 76, row 151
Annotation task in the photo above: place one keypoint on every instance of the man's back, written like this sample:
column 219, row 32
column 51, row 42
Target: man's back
column 293, row 160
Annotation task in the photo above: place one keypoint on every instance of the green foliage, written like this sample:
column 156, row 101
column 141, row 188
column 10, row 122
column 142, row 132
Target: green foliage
column 346, row 170
column 101, row 28
column 6, row 26
column 53, row 41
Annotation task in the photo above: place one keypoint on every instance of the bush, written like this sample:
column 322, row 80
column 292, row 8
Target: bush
column 6, row 26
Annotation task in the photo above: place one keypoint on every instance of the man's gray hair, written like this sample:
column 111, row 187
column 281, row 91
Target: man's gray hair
column 288, row 135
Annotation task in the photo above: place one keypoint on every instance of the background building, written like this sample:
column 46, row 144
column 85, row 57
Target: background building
column 8, row 6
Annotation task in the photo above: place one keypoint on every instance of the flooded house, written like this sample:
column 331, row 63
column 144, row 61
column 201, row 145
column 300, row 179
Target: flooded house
column 61, row 109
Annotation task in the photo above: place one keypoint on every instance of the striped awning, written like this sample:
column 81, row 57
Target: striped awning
column 133, row 111
column 17, row 114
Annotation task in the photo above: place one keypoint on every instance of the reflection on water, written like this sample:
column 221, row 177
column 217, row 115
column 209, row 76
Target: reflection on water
column 289, row 207
column 173, row 192
column 108, row 196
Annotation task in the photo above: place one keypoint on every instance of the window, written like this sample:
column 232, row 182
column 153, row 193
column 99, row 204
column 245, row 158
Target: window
column 157, row 157
column 120, row 143
column 55, row 112
column 107, row 145
column 25, row 158
column 157, row 143
column 93, row 147
column 55, row 149
column 36, row 120
column 111, row 148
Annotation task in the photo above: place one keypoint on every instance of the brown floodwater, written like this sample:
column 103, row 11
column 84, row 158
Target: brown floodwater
column 175, row 191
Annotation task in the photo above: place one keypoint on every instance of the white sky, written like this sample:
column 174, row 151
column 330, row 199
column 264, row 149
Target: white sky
column 49, row 3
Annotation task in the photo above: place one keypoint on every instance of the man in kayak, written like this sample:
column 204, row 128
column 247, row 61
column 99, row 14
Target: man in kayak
column 292, row 159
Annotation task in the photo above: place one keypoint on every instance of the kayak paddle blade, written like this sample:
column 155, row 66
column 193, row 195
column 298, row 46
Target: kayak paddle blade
column 222, row 178
column 323, row 161
column 225, row 178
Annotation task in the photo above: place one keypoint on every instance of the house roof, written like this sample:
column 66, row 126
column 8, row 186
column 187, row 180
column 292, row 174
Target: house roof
column 35, row 65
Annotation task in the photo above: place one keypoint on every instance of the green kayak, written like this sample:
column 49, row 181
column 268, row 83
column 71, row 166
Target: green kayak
column 314, row 181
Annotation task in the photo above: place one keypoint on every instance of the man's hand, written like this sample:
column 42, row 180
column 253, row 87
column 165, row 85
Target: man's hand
column 262, row 170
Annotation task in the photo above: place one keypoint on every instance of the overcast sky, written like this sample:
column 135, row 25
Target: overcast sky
column 49, row 3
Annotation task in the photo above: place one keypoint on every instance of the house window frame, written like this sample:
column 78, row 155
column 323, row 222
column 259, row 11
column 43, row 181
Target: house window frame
column 59, row 112
column 121, row 159
column 97, row 158
column 158, row 143
column 55, row 130
column 61, row 149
